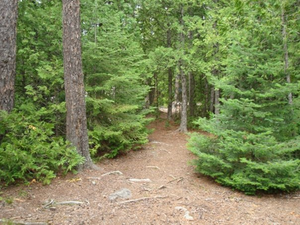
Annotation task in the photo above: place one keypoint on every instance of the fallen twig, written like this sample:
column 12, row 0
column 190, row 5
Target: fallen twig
column 141, row 199
column 161, row 187
column 69, row 203
column 74, row 180
column 153, row 167
column 176, row 179
column 22, row 223
column 94, row 178
column 105, row 174
column 52, row 202
column 147, row 180
column 112, row 172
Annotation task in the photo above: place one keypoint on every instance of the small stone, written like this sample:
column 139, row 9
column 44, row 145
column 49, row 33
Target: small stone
column 123, row 193
column 187, row 216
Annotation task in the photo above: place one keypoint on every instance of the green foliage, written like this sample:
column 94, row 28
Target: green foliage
column 29, row 150
column 246, row 161
column 39, row 61
column 113, row 64
column 255, row 140
column 32, row 144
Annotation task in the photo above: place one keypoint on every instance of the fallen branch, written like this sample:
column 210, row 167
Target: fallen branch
column 140, row 180
column 112, row 172
column 52, row 203
column 21, row 223
column 94, row 178
column 105, row 174
column 140, row 199
column 69, row 203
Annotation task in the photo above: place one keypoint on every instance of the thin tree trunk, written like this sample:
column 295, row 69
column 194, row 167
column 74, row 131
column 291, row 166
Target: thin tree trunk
column 191, row 84
column 212, row 99
column 177, row 88
column 8, row 35
column 156, row 94
column 191, row 94
column 217, row 101
column 170, row 80
column 177, row 99
column 76, row 127
column 206, row 94
column 170, row 93
column 183, row 121
column 286, row 54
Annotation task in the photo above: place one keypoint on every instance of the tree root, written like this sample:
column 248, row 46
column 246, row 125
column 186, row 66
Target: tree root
column 141, row 199
column 52, row 203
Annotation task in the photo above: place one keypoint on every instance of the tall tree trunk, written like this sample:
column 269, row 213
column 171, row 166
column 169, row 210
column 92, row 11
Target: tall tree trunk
column 217, row 101
column 212, row 99
column 191, row 94
column 170, row 80
column 206, row 103
column 170, row 93
column 76, row 127
column 156, row 94
column 191, row 83
column 183, row 121
column 177, row 98
column 8, row 35
column 286, row 54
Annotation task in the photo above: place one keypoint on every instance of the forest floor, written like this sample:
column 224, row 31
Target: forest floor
column 154, row 185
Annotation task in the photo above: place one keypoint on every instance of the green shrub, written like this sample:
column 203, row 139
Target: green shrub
column 247, row 162
column 114, row 130
column 29, row 150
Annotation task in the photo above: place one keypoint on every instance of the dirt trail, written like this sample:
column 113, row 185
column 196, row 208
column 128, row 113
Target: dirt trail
column 161, row 188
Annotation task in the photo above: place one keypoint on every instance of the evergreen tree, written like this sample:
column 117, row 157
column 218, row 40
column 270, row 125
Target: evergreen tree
column 253, row 145
column 114, row 68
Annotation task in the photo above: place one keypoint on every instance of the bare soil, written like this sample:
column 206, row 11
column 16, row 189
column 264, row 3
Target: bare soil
column 164, row 190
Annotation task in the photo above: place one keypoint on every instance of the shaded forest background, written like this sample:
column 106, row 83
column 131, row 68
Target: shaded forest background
column 227, row 67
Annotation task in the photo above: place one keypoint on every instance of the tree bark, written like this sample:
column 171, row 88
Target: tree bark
column 76, row 127
column 8, row 35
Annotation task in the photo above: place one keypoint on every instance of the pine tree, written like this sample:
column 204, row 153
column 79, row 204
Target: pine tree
column 253, row 145
column 114, row 65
